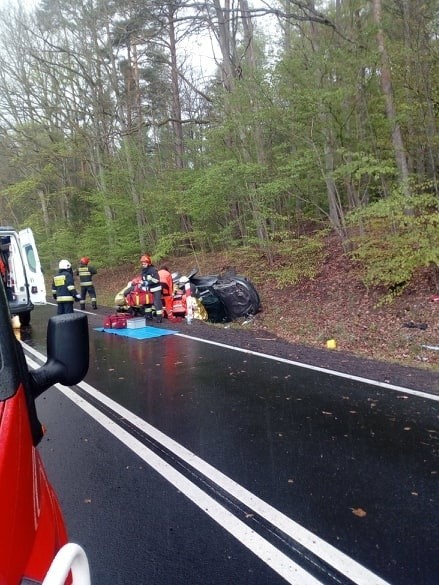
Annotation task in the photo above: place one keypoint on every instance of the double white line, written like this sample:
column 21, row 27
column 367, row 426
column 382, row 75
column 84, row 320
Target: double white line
column 269, row 554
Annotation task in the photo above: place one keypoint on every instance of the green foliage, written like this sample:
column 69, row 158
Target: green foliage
column 170, row 244
column 115, row 238
column 364, row 171
column 17, row 192
column 60, row 244
column 306, row 255
column 400, row 236
column 291, row 138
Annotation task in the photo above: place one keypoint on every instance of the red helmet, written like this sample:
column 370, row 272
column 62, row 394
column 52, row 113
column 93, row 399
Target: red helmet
column 145, row 259
column 85, row 260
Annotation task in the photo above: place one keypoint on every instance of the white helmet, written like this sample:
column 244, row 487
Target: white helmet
column 64, row 265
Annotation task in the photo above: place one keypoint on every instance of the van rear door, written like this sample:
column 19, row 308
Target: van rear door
column 35, row 277
column 15, row 276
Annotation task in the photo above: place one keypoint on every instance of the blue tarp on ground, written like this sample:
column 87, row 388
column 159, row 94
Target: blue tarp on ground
column 142, row 333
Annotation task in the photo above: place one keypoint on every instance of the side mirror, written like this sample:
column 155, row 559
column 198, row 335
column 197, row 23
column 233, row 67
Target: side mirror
column 67, row 353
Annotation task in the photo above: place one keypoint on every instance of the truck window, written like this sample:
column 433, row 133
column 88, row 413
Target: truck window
column 31, row 260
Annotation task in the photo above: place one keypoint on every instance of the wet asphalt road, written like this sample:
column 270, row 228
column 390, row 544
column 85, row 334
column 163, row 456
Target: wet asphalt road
column 355, row 464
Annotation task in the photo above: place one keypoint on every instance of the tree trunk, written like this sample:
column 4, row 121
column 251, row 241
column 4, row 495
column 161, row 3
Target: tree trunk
column 176, row 105
column 386, row 86
column 224, row 33
column 336, row 212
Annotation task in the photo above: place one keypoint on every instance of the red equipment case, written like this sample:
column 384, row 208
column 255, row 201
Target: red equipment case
column 116, row 321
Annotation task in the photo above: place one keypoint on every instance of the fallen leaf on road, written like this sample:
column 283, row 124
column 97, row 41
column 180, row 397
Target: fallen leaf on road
column 358, row 512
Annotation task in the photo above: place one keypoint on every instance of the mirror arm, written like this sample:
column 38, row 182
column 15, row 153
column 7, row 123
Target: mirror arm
column 45, row 377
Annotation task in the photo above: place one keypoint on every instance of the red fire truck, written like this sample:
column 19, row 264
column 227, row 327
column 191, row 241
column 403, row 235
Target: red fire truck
column 32, row 529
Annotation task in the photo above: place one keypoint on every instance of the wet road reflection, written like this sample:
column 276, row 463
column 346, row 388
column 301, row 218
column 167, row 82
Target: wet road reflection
column 353, row 463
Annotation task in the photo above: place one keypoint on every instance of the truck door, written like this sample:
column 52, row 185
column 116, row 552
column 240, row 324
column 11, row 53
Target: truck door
column 35, row 277
column 14, row 277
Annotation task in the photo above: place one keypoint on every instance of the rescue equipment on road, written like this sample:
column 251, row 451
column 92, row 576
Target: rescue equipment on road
column 136, row 323
column 116, row 321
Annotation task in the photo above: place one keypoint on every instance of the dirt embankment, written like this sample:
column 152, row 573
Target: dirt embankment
column 334, row 305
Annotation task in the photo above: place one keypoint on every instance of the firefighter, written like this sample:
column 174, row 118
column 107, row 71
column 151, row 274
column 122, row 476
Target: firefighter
column 167, row 289
column 86, row 272
column 3, row 271
column 151, row 283
column 63, row 288
column 189, row 290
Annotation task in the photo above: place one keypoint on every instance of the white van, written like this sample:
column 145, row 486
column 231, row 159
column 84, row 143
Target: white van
column 21, row 272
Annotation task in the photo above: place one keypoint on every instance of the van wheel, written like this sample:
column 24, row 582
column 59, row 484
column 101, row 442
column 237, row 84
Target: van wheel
column 24, row 318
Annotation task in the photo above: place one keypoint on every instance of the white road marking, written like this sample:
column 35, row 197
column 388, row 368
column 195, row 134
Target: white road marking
column 309, row 366
column 317, row 368
column 279, row 562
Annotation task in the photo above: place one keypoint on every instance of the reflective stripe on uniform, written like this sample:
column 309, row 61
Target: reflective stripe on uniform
column 85, row 276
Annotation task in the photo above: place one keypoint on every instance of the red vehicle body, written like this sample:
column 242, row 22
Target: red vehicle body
column 30, row 514
column 32, row 528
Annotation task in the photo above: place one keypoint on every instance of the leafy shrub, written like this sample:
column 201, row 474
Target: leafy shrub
column 398, row 237
column 306, row 255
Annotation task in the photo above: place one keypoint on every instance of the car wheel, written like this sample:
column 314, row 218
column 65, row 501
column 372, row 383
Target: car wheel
column 24, row 318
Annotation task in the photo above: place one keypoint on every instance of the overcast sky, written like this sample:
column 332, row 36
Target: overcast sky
column 5, row 3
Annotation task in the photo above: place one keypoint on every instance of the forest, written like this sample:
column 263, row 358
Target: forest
column 191, row 127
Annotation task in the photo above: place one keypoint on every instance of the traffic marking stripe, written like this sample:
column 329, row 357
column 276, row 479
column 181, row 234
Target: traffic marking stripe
column 278, row 561
column 318, row 369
